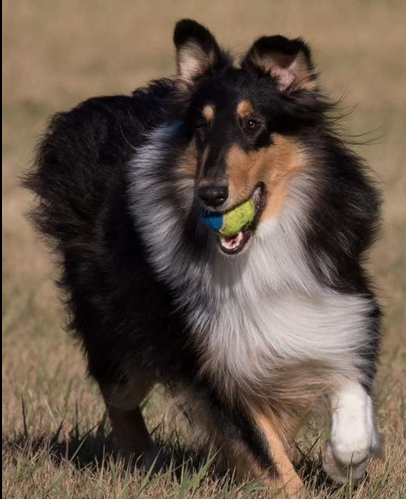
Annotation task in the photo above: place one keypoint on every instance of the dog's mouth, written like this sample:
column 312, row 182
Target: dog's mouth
column 232, row 245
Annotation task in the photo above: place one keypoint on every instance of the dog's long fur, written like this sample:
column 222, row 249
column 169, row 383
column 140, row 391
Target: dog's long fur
column 254, row 339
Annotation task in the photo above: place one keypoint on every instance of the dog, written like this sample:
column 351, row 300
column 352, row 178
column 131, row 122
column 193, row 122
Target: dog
column 254, row 331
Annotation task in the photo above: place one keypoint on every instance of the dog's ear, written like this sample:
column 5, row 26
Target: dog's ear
column 197, row 52
column 288, row 62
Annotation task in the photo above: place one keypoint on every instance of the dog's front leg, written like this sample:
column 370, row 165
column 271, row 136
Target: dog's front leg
column 353, row 435
column 123, row 406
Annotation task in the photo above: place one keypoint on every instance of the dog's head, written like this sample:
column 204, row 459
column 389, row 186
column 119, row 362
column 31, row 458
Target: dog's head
column 247, row 122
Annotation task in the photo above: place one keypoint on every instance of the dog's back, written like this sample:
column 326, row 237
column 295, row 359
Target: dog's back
column 80, row 151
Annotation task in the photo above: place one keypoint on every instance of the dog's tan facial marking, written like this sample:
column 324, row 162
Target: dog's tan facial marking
column 188, row 164
column 242, row 170
column 187, row 169
column 274, row 166
column 244, row 109
column 284, row 160
column 186, row 174
column 208, row 112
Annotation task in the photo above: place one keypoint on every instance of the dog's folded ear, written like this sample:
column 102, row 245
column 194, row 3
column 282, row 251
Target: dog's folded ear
column 197, row 52
column 288, row 62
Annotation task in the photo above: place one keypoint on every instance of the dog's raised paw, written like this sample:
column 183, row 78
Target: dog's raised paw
column 342, row 472
column 354, row 439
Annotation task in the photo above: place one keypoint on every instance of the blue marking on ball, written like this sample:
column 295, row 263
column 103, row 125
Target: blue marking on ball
column 213, row 221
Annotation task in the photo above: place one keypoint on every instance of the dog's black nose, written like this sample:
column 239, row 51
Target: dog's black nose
column 213, row 195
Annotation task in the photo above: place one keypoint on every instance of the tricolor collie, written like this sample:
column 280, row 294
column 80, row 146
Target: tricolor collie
column 256, row 329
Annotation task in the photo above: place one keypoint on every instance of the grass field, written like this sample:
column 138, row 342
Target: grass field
column 56, row 53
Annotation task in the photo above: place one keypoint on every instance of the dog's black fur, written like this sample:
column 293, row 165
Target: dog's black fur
column 110, row 287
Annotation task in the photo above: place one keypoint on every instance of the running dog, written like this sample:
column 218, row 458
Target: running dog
column 254, row 330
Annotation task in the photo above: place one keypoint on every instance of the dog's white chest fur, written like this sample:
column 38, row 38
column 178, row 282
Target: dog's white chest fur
column 266, row 311
column 253, row 339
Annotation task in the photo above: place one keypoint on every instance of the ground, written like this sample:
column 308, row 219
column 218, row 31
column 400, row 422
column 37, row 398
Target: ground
column 56, row 442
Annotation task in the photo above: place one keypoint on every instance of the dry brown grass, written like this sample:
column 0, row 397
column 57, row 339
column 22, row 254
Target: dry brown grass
column 56, row 53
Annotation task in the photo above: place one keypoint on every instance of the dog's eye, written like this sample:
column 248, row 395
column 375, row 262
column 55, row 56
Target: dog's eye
column 252, row 124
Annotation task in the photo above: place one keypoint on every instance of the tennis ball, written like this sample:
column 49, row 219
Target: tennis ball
column 237, row 219
column 234, row 221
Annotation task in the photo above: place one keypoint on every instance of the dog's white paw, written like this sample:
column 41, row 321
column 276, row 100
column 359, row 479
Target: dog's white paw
column 340, row 472
column 353, row 433
column 353, row 436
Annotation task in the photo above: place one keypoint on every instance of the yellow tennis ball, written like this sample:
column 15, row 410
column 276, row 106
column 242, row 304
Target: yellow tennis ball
column 238, row 219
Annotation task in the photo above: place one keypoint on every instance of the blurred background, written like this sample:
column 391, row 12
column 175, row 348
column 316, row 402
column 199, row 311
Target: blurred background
column 57, row 53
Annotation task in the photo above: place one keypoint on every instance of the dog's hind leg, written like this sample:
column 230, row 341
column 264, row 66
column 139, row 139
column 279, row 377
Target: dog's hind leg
column 123, row 406
column 276, row 437
column 251, row 442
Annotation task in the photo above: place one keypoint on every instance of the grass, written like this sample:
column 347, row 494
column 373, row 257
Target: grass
column 56, row 441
